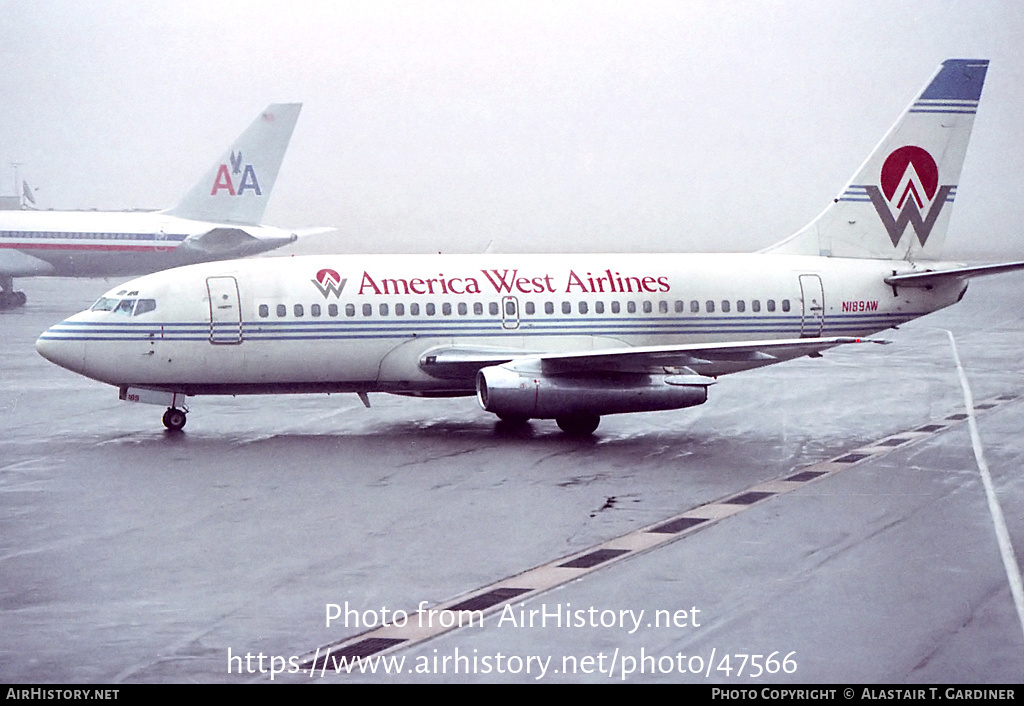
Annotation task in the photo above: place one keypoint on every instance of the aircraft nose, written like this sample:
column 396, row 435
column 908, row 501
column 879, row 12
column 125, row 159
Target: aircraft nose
column 56, row 345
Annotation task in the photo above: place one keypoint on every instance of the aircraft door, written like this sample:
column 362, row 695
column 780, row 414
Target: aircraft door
column 225, row 310
column 813, row 302
column 509, row 313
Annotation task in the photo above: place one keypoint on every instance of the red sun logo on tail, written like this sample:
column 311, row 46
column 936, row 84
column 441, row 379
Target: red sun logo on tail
column 909, row 186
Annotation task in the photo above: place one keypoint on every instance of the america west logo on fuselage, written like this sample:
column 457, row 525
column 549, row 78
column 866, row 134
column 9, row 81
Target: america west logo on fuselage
column 329, row 282
column 909, row 185
column 224, row 181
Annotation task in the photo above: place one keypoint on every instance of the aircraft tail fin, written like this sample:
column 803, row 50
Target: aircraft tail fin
column 238, row 185
column 897, row 205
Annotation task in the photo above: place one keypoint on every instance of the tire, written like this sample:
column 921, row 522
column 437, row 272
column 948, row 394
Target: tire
column 174, row 419
column 583, row 424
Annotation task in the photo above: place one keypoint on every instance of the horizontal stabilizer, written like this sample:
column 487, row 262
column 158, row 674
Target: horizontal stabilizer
column 232, row 242
column 931, row 278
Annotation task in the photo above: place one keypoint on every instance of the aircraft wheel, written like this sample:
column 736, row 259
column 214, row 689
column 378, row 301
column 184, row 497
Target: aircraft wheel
column 12, row 300
column 174, row 419
column 582, row 424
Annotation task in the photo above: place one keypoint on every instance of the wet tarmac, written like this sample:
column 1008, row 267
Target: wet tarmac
column 129, row 554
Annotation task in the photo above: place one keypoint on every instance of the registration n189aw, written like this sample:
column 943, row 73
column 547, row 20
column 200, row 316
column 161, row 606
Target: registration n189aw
column 564, row 337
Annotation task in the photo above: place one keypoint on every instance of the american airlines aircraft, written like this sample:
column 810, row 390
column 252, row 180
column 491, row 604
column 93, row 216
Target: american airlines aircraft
column 217, row 219
column 568, row 337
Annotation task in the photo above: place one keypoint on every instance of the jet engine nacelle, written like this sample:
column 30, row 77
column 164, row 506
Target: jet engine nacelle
column 512, row 393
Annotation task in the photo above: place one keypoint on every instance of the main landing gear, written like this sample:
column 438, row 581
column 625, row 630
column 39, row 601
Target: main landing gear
column 580, row 424
column 174, row 419
column 9, row 299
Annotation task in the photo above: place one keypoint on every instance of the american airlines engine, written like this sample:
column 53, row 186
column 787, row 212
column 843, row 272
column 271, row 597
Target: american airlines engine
column 564, row 337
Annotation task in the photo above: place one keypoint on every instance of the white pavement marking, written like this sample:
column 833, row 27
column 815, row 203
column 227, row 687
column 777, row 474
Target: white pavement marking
column 427, row 622
column 1002, row 533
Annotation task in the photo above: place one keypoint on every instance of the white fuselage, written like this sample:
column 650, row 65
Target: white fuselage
column 365, row 323
column 104, row 244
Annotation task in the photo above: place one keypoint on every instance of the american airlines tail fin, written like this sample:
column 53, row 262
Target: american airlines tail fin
column 897, row 205
column 237, row 187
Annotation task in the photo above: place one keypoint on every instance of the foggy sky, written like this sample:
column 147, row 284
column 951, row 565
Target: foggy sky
column 454, row 126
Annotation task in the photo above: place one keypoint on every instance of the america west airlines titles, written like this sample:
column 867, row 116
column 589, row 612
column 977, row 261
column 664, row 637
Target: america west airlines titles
column 507, row 281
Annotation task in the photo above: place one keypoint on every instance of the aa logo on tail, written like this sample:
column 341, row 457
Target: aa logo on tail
column 329, row 282
column 224, row 181
column 909, row 186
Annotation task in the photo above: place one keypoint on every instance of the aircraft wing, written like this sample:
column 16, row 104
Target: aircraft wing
column 705, row 359
column 931, row 278
column 306, row 232
column 14, row 263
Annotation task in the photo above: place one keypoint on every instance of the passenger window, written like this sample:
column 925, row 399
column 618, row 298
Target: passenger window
column 599, row 307
column 510, row 308
column 549, row 307
column 583, row 307
column 478, row 309
column 616, row 308
column 785, row 305
column 431, row 309
column 493, row 308
column 648, row 308
column 631, row 307
column 332, row 309
column 264, row 311
column 530, row 309
column 694, row 306
column 367, row 310
column 350, row 310
column 298, row 310
column 399, row 309
column 566, row 308
column 741, row 306
column 463, row 310
column 383, row 309
column 414, row 309
column 446, row 309
column 146, row 305
column 725, row 306
column 709, row 306
column 771, row 305
column 282, row 310
column 314, row 310
column 679, row 306
column 755, row 305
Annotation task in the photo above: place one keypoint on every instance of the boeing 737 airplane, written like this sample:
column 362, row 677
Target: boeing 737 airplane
column 217, row 219
column 568, row 337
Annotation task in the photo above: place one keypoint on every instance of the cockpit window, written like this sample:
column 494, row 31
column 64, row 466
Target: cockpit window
column 105, row 304
column 127, row 307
